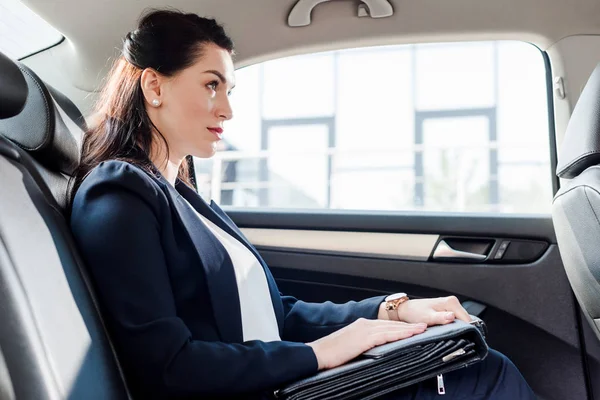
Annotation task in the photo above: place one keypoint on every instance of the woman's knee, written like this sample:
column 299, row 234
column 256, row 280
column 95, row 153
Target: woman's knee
column 503, row 378
column 497, row 361
column 498, row 364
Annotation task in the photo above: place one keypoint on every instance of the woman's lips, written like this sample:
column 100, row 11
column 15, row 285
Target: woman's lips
column 217, row 132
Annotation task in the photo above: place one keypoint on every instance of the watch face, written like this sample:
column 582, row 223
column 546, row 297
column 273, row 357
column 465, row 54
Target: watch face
column 395, row 296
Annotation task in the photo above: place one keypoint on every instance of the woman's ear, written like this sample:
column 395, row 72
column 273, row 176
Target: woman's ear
column 151, row 83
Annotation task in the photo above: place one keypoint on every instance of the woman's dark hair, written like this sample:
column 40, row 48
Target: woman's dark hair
column 167, row 41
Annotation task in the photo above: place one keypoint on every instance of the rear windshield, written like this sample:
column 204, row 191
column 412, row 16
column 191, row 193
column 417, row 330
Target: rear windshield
column 22, row 32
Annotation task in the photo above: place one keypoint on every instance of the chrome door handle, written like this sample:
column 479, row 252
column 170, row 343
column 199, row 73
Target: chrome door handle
column 444, row 251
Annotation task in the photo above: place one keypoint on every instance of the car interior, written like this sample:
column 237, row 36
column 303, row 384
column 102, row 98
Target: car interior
column 533, row 275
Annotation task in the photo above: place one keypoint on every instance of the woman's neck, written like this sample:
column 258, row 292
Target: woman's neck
column 169, row 168
column 170, row 171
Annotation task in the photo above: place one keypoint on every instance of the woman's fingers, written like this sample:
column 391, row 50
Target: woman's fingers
column 383, row 336
column 453, row 305
column 440, row 317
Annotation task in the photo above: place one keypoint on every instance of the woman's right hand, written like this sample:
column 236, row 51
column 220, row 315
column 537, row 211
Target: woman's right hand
column 361, row 335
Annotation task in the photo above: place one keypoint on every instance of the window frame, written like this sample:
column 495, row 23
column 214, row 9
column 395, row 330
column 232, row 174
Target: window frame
column 420, row 117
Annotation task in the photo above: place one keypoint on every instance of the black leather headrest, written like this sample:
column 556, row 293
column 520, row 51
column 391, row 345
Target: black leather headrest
column 13, row 88
column 580, row 148
column 50, row 127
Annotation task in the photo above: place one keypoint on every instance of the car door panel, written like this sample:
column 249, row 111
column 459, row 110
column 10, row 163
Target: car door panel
column 529, row 306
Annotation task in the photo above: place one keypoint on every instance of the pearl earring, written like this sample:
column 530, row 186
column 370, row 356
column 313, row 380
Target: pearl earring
column 156, row 102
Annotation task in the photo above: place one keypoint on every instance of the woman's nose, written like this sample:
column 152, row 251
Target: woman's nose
column 225, row 111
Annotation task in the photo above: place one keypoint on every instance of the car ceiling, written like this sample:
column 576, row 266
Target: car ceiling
column 93, row 29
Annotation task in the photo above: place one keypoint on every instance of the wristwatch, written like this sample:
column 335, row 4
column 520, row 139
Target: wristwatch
column 392, row 302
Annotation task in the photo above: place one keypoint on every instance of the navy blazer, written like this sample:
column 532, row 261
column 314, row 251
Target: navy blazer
column 168, row 290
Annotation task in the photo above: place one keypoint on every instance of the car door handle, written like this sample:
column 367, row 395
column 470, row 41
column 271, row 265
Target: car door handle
column 444, row 251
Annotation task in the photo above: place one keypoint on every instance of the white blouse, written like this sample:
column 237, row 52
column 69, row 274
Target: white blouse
column 258, row 316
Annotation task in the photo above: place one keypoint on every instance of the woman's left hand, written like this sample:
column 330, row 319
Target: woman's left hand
column 437, row 311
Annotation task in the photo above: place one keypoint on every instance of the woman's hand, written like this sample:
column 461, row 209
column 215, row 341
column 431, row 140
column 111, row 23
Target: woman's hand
column 438, row 311
column 361, row 335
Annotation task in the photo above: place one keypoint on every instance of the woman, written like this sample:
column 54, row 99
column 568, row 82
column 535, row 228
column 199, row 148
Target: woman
column 191, row 307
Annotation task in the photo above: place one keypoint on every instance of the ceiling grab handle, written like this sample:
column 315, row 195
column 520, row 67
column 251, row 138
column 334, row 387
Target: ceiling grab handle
column 376, row 8
column 301, row 12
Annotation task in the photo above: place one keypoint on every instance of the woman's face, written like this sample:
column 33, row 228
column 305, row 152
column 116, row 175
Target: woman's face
column 194, row 103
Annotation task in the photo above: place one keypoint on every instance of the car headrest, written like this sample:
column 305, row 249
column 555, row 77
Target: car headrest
column 580, row 148
column 50, row 127
column 13, row 88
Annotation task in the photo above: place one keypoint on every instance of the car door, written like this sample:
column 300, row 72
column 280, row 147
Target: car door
column 425, row 169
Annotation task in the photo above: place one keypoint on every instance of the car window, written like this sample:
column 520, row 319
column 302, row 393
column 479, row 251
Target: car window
column 22, row 32
column 457, row 127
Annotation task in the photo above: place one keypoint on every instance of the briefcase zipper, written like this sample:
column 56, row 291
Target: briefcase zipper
column 440, row 384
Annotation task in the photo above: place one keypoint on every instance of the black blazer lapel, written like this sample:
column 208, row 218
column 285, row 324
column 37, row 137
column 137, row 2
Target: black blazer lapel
column 217, row 216
column 220, row 275
column 274, row 291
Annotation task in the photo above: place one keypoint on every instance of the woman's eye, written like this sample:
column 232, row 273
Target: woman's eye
column 213, row 85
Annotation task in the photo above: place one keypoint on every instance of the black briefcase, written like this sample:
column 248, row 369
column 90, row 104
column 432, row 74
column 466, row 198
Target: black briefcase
column 383, row 369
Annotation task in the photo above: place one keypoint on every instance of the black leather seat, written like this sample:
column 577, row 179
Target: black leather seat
column 53, row 344
column 576, row 208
